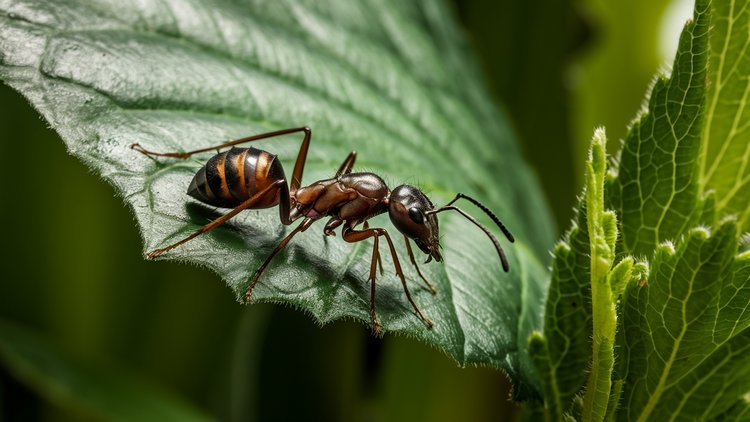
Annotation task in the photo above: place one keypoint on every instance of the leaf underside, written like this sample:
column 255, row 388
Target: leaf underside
column 392, row 81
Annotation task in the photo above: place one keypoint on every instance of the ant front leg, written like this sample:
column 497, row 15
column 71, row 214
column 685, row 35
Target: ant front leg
column 414, row 262
column 350, row 235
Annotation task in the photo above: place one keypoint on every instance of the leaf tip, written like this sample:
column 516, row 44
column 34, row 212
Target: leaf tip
column 598, row 152
column 700, row 232
column 744, row 244
column 620, row 275
column 562, row 249
column 537, row 343
column 666, row 247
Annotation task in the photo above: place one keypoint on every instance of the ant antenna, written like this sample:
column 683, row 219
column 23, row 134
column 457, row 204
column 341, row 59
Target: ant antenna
column 506, row 232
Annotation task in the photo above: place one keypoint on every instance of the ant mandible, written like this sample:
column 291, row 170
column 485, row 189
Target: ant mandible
column 250, row 178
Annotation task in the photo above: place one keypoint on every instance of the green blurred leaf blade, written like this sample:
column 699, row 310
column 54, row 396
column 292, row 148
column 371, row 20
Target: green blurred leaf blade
column 104, row 392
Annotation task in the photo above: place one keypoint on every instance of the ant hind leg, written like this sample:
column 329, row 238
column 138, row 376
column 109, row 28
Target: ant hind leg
column 299, row 164
column 219, row 221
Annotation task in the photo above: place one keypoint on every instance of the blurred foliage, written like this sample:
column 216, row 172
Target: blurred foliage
column 72, row 266
column 563, row 68
column 610, row 80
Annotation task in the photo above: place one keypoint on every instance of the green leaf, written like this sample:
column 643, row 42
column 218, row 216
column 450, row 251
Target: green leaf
column 724, row 167
column 683, row 338
column 657, row 195
column 684, row 335
column 392, row 81
column 687, row 332
column 562, row 353
column 620, row 276
column 107, row 393
column 738, row 412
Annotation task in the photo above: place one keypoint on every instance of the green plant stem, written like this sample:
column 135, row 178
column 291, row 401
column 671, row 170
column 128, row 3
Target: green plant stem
column 600, row 378
column 602, row 232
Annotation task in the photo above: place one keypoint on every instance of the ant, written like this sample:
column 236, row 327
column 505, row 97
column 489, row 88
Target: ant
column 251, row 178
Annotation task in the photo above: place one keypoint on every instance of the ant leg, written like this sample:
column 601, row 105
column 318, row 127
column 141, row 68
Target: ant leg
column 219, row 221
column 403, row 280
column 331, row 225
column 380, row 263
column 302, row 227
column 373, row 314
column 299, row 164
column 351, row 235
column 346, row 166
column 357, row 236
column 414, row 262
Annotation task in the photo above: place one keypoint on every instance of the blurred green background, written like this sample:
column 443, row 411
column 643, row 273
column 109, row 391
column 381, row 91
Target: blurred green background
column 72, row 267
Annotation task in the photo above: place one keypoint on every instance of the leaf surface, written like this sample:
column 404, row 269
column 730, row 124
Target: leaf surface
column 684, row 326
column 657, row 174
column 392, row 81
column 686, row 332
column 725, row 165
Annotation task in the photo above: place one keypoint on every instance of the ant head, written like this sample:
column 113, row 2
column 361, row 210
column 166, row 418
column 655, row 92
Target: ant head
column 409, row 209
column 415, row 216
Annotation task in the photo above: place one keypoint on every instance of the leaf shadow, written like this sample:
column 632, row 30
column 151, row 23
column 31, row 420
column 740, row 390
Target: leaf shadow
column 389, row 291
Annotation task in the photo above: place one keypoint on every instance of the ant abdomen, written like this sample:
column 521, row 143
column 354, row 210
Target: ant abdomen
column 232, row 177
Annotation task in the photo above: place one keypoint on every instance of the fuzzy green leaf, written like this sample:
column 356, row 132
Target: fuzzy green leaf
column 687, row 332
column 725, row 165
column 684, row 336
column 391, row 80
column 657, row 175
column 562, row 354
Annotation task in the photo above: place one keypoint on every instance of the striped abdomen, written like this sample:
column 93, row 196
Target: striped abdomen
column 230, row 178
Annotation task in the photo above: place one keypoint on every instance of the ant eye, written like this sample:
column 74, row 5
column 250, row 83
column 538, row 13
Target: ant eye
column 416, row 216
